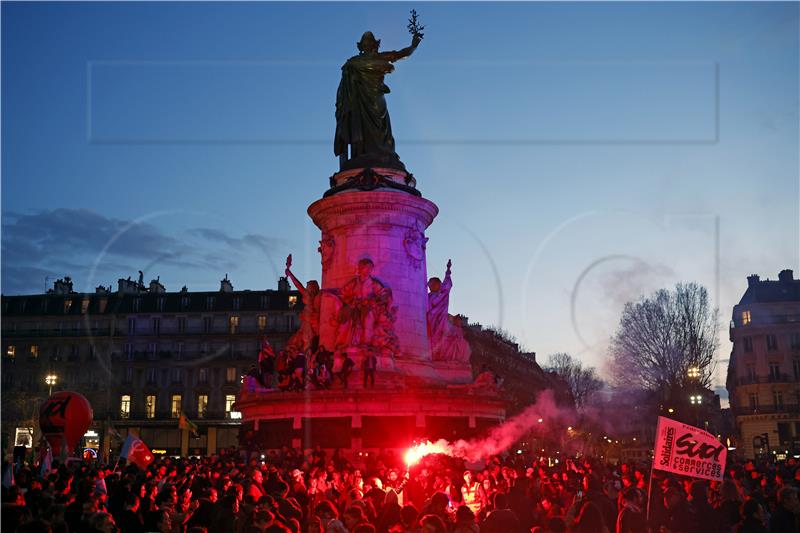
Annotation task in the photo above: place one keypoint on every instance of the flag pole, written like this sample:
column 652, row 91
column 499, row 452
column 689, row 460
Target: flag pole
column 652, row 469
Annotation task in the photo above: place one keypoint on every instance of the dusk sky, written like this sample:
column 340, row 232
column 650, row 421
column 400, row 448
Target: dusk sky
column 581, row 155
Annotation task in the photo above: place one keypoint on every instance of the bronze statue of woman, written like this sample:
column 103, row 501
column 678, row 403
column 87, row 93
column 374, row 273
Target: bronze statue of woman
column 362, row 120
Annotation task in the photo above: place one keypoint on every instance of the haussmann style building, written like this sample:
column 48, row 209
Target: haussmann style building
column 142, row 356
column 764, row 371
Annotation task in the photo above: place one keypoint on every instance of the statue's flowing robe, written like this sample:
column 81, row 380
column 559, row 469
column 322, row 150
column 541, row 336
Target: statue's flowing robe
column 447, row 339
column 362, row 119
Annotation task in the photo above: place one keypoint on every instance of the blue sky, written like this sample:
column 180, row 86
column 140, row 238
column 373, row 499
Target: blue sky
column 580, row 154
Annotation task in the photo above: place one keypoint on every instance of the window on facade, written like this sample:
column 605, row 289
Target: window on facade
column 753, row 401
column 175, row 408
column 207, row 324
column 152, row 376
column 177, row 375
column 262, row 323
column 67, row 306
column 745, row 317
column 796, row 368
column 137, row 303
column 161, row 302
column 150, row 406
column 85, row 306
column 11, row 351
column 178, row 351
column 747, row 344
column 184, row 302
column 233, row 323
column 230, row 399
column 774, row 371
column 34, row 350
column 292, row 301
column 751, row 373
column 131, row 326
column 777, row 399
column 772, row 342
column 795, row 341
column 129, row 352
column 181, row 324
column 125, row 406
column 230, row 375
column 237, row 303
column 210, row 303
column 128, row 374
column 202, row 375
column 202, row 405
column 102, row 303
column 264, row 302
column 152, row 348
column 156, row 326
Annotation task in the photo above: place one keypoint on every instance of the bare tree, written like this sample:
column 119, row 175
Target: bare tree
column 662, row 337
column 583, row 382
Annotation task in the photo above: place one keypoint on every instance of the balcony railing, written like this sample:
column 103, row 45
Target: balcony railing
column 771, row 378
column 162, row 332
column 768, row 409
column 165, row 416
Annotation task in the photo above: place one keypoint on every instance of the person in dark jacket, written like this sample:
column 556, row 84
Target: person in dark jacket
column 785, row 516
column 130, row 519
column 752, row 518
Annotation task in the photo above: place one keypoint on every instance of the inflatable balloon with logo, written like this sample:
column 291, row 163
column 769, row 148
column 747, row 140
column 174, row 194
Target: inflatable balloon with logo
column 64, row 418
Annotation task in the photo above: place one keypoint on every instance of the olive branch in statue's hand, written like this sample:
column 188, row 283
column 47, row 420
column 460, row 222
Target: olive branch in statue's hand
column 414, row 27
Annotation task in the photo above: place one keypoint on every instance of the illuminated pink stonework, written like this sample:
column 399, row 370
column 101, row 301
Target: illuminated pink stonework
column 380, row 306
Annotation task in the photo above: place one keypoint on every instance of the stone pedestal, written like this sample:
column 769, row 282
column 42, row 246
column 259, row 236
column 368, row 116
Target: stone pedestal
column 374, row 214
column 387, row 227
column 367, row 419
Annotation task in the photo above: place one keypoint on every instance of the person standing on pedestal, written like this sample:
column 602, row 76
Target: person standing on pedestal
column 369, row 364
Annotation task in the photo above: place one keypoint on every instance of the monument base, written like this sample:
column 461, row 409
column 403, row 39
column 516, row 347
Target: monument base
column 389, row 417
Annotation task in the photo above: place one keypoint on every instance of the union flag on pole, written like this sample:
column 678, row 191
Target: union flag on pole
column 136, row 451
column 689, row 451
column 185, row 423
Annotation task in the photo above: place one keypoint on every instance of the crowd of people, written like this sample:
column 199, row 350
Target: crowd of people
column 289, row 491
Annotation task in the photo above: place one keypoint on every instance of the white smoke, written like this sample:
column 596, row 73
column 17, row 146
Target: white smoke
column 543, row 413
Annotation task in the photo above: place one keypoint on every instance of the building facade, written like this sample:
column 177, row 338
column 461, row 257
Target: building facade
column 764, row 372
column 142, row 356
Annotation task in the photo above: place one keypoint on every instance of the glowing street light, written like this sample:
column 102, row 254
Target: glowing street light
column 694, row 372
column 696, row 399
column 50, row 380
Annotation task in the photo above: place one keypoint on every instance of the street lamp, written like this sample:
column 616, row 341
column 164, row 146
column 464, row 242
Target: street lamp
column 694, row 372
column 696, row 399
column 51, row 380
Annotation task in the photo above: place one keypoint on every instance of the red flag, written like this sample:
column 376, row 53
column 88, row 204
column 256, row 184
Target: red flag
column 266, row 349
column 136, row 451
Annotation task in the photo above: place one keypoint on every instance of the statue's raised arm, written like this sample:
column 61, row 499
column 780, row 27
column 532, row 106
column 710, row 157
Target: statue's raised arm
column 396, row 55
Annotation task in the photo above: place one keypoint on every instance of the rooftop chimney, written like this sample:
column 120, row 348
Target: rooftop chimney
column 785, row 276
column 283, row 284
column 225, row 285
column 156, row 286
column 752, row 280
